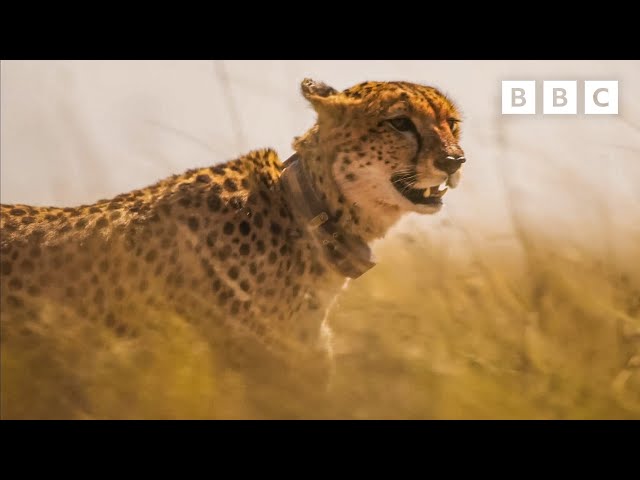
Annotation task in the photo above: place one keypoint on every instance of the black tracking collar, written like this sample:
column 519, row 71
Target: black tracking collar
column 350, row 255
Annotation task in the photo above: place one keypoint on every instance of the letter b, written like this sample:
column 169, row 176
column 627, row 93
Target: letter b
column 519, row 97
column 560, row 97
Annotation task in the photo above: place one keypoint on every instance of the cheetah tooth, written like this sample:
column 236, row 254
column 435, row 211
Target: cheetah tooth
column 453, row 180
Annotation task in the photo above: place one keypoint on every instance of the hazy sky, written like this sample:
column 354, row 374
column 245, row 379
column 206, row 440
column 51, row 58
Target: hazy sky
column 74, row 132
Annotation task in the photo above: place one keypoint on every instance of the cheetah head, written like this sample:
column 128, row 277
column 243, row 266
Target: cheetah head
column 393, row 145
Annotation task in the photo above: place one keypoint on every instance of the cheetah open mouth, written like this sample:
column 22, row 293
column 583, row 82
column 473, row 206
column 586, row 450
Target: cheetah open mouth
column 419, row 196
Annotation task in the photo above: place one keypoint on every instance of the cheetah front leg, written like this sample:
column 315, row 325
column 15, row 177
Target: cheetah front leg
column 326, row 338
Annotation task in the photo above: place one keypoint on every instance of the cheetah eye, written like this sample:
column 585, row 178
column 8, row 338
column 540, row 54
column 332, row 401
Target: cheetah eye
column 453, row 124
column 402, row 124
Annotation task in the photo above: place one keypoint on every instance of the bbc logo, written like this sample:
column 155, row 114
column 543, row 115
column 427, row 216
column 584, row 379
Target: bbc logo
column 560, row 97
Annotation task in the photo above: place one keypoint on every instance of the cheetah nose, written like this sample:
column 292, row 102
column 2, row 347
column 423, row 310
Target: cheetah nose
column 451, row 163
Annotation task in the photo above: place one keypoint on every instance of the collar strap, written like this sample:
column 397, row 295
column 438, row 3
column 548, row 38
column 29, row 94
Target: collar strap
column 350, row 255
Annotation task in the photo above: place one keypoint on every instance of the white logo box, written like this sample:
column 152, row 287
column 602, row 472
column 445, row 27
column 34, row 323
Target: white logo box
column 560, row 97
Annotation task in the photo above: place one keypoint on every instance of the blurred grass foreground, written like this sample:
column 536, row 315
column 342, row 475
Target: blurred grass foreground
column 440, row 329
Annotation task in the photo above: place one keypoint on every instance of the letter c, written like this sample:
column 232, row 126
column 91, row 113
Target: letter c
column 595, row 97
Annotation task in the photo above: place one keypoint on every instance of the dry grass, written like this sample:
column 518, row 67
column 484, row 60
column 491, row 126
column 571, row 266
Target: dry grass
column 436, row 330
column 487, row 337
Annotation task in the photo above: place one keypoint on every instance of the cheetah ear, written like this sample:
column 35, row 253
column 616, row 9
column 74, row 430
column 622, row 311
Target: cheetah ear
column 323, row 97
column 312, row 89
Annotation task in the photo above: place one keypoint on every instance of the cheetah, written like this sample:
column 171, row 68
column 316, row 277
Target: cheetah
column 252, row 251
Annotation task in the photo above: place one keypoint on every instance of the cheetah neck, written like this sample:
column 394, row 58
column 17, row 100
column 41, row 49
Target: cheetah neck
column 356, row 208
column 348, row 253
